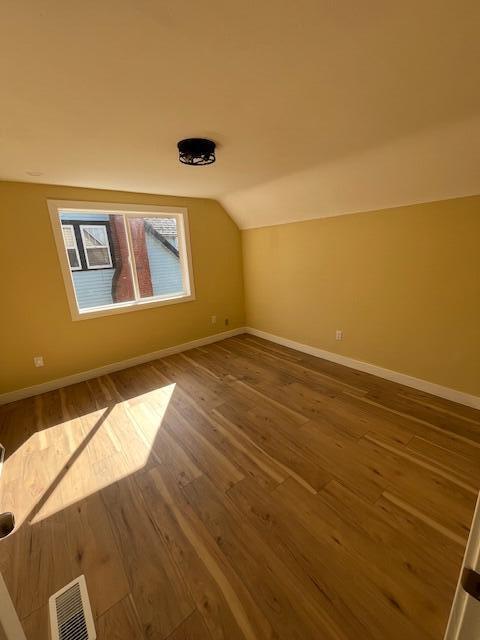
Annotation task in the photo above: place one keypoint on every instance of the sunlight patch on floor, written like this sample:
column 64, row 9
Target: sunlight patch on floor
column 69, row 461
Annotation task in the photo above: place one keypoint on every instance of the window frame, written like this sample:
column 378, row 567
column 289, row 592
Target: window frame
column 105, row 246
column 75, row 247
column 56, row 207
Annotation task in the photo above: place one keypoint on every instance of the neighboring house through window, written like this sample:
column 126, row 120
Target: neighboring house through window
column 118, row 258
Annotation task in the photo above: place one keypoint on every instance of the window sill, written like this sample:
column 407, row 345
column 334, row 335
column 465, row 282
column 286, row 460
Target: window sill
column 127, row 307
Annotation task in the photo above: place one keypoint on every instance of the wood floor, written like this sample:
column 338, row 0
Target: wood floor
column 240, row 491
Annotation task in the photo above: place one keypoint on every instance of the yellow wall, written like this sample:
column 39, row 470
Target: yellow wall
column 403, row 284
column 34, row 313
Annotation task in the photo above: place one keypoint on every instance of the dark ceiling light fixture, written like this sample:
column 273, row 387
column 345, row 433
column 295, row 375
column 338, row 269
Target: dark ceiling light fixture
column 196, row 151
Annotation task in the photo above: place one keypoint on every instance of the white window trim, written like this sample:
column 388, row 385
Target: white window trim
column 79, row 268
column 181, row 216
column 105, row 246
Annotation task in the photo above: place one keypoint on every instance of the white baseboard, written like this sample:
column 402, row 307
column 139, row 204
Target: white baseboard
column 51, row 385
column 395, row 376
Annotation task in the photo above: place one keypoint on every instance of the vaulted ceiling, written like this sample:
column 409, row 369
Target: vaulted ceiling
column 319, row 107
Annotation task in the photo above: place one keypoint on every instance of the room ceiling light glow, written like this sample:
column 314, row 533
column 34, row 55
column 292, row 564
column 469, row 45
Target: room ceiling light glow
column 196, row 151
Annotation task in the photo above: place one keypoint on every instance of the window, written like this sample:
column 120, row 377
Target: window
column 117, row 258
column 96, row 246
column 88, row 246
column 71, row 247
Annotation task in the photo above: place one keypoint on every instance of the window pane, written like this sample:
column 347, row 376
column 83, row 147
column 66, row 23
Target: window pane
column 102, row 256
column 96, row 245
column 157, row 260
column 73, row 258
column 71, row 246
column 95, row 236
column 69, row 237
column 112, row 282
column 98, row 257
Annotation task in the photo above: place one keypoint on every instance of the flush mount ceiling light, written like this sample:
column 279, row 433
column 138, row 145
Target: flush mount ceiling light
column 196, row 151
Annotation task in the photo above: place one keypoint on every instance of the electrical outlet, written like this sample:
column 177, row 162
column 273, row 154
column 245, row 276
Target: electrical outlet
column 38, row 361
column 339, row 334
column 214, row 319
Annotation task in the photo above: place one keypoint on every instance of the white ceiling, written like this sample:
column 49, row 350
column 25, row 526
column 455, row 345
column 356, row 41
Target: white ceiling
column 319, row 107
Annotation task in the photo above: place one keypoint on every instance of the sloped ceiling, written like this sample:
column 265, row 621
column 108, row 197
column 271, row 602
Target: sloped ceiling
column 319, row 107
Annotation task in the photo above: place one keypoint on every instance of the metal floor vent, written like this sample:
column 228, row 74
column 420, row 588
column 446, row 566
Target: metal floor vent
column 70, row 613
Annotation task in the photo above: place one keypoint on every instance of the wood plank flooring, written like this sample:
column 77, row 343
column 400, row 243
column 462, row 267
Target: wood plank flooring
column 244, row 491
